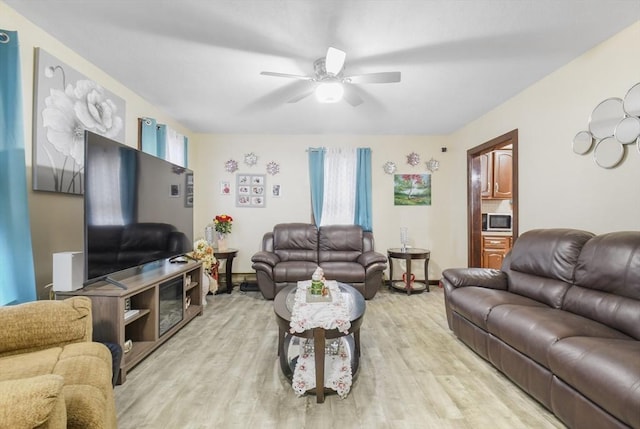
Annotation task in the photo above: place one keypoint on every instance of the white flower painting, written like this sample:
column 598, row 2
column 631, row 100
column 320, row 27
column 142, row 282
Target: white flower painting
column 67, row 104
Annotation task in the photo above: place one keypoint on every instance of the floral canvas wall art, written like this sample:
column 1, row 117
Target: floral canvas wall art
column 66, row 103
column 412, row 189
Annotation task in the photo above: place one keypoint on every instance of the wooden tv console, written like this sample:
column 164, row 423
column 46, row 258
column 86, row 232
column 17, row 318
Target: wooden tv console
column 143, row 292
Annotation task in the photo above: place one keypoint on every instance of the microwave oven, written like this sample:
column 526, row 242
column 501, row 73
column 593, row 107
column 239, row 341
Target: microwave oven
column 497, row 221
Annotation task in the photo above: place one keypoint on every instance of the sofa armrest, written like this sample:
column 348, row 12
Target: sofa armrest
column 480, row 277
column 370, row 258
column 33, row 402
column 268, row 258
column 40, row 325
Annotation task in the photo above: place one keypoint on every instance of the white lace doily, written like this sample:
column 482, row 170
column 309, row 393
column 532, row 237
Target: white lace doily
column 337, row 368
column 328, row 315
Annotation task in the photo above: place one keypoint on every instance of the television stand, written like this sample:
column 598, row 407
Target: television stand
column 179, row 286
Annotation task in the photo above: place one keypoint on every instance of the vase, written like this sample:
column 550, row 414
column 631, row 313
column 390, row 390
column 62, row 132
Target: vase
column 222, row 242
column 209, row 234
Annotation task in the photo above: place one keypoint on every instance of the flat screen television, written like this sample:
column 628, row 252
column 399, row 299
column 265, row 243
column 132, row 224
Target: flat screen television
column 138, row 209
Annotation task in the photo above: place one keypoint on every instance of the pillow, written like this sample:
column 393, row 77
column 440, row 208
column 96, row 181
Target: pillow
column 28, row 403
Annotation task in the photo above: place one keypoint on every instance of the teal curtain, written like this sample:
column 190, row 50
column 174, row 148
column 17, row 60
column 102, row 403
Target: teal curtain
column 153, row 139
column 363, row 210
column 149, row 136
column 162, row 141
column 363, row 190
column 316, row 179
column 17, row 276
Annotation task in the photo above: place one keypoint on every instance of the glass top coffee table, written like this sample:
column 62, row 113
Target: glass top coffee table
column 290, row 345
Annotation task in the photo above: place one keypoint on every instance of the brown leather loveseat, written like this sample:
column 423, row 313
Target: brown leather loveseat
column 562, row 320
column 292, row 252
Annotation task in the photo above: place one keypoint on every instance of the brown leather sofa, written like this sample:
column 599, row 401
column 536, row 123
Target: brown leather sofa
column 561, row 319
column 292, row 252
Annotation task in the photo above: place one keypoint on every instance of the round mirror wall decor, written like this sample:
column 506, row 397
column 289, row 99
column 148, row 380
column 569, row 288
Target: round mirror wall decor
column 631, row 102
column 614, row 123
column 608, row 152
column 628, row 130
column 582, row 142
column 605, row 117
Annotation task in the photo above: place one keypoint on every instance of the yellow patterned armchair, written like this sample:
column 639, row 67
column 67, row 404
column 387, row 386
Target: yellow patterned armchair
column 51, row 374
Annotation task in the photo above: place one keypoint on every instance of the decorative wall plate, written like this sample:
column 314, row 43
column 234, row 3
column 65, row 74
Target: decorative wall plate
column 413, row 159
column 433, row 165
column 273, row 168
column 250, row 159
column 231, row 165
column 389, row 167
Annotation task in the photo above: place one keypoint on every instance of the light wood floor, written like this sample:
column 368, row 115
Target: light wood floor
column 221, row 371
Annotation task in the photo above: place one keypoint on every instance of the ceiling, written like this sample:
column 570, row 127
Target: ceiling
column 200, row 61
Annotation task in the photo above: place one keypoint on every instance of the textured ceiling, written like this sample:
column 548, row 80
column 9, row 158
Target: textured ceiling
column 200, row 61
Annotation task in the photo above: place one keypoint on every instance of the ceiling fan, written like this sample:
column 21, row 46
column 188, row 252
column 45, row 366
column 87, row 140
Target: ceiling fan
column 331, row 85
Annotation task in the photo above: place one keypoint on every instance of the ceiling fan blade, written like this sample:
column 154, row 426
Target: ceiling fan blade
column 300, row 96
column 334, row 61
column 351, row 97
column 287, row 75
column 382, row 77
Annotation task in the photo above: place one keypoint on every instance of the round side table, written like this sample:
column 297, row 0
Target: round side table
column 226, row 255
column 408, row 284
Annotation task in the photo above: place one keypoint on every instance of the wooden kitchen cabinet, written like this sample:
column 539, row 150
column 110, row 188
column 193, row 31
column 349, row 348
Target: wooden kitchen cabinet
column 496, row 172
column 494, row 249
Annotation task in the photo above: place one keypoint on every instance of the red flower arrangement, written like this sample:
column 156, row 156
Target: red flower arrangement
column 223, row 223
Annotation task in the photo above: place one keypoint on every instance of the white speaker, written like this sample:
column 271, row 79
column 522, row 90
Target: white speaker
column 68, row 271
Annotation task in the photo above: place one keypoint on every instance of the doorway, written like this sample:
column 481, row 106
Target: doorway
column 475, row 189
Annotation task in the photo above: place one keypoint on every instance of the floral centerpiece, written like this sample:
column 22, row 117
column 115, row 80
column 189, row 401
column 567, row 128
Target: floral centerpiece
column 223, row 224
column 202, row 251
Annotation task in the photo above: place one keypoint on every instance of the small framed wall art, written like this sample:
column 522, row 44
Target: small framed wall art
column 250, row 190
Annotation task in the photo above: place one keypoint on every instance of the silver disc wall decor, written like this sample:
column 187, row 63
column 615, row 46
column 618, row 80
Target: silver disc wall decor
column 631, row 102
column 582, row 142
column 605, row 117
column 608, row 152
column 628, row 130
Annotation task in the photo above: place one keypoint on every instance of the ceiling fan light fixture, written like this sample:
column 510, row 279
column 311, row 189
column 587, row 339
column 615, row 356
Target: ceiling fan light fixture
column 329, row 92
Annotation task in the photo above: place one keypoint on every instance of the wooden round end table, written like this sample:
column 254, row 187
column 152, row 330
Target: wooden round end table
column 409, row 283
column 283, row 305
column 226, row 255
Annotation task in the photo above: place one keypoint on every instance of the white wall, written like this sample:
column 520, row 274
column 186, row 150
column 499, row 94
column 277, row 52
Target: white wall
column 557, row 187
column 428, row 225
column 57, row 219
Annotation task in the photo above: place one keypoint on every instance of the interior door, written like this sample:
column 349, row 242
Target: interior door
column 475, row 188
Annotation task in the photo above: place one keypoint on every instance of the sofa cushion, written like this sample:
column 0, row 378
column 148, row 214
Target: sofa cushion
column 35, row 402
column 541, row 263
column 604, row 370
column 86, row 370
column 608, row 282
column 293, row 271
column 533, row 330
column 347, row 272
column 40, row 324
column 296, row 242
column 340, row 243
column 475, row 303
column 32, row 364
